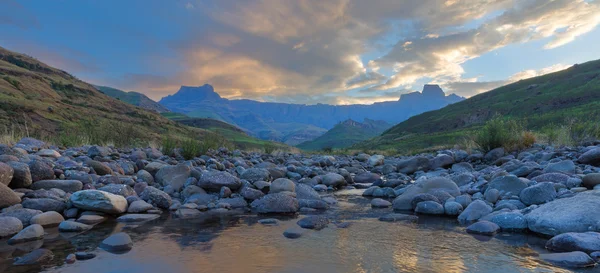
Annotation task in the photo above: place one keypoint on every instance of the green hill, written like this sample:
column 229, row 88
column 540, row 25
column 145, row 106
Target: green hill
column 135, row 98
column 346, row 133
column 539, row 102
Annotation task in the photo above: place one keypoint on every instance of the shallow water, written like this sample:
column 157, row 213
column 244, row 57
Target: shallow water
column 238, row 243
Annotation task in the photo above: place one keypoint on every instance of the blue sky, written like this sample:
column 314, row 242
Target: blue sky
column 304, row 51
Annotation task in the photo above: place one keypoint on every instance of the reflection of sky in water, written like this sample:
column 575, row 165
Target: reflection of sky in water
column 240, row 244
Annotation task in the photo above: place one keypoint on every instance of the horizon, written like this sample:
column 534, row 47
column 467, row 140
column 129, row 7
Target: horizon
column 335, row 52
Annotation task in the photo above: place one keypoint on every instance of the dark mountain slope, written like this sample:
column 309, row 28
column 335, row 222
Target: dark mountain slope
column 346, row 134
column 135, row 98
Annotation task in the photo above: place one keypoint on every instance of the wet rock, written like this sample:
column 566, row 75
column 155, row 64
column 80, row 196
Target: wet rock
column 156, row 197
column 474, row 211
column 8, row 197
column 132, row 217
column 576, row 259
column 47, row 219
column 293, row 233
column 65, row 185
column 96, row 200
column 174, row 176
column 571, row 241
column 119, row 189
column 429, row 207
column 91, row 219
column 333, row 179
column 538, row 194
column 269, row 222
column 313, row 222
column 398, row 217
column 44, row 204
column 139, row 206
column 282, row 185
column 452, row 208
column 117, row 243
column 214, row 180
column 24, row 215
column 313, row 204
column 380, row 203
column 404, row 201
column 276, row 203
column 483, row 228
column 31, row 233
column 508, row 221
column 9, row 226
column 82, row 256
column 38, row 256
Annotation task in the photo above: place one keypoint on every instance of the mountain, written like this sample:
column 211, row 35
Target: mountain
column 44, row 102
column 347, row 133
column 131, row 97
column 539, row 102
column 298, row 122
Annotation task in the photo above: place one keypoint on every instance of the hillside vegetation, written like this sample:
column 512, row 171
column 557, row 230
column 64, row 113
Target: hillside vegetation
column 135, row 98
column 345, row 134
column 543, row 104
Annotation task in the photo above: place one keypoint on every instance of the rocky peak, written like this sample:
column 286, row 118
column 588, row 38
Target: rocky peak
column 433, row 90
column 193, row 93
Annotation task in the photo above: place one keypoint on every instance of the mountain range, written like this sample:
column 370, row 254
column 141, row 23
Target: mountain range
column 297, row 123
column 131, row 97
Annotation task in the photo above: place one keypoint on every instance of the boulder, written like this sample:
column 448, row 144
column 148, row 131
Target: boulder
column 429, row 207
column 441, row 161
column 21, row 175
column 8, row 197
column 47, row 219
column 333, row 179
column 65, row 185
column 304, row 191
column 31, row 233
column 72, row 226
column 587, row 242
column 40, row 170
column 48, row 153
column 375, row 160
column 100, row 151
column 403, row 202
column 507, row 185
column 474, row 211
column 380, row 203
column 9, row 226
column 483, row 228
column 281, row 185
column 452, row 208
column 24, row 215
column 575, row 259
column 214, row 180
column 565, row 166
column 256, row 174
column 253, row 194
column 398, row 217
column 367, row 178
column 494, row 155
column 156, row 197
column 538, row 194
column 313, row 222
column 139, row 206
column 412, row 165
column 174, row 176
column 508, row 220
column 119, row 189
column 6, row 173
column 99, row 167
column 44, row 204
column 591, row 157
column 572, row 214
column 101, row 201
column 38, row 256
column 591, row 180
column 276, row 203
column 117, row 243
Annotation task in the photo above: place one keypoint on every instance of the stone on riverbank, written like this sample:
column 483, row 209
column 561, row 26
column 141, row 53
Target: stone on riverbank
column 101, row 201
column 571, row 241
column 117, row 243
column 276, row 203
column 576, row 259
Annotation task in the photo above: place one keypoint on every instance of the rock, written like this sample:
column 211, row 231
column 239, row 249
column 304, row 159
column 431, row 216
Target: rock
column 31, row 143
column 591, row 157
column 304, row 191
column 44, row 204
column 492, row 195
column 538, row 194
column 463, row 200
column 40, row 170
column 65, row 185
column 82, row 256
column 214, row 180
column 474, row 211
column 404, row 201
column 483, row 228
column 234, row 203
column 71, row 258
column 31, row 233
column 281, row 185
column 591, row 180
column 494, row 155
column 156, row 197
column 276, row 203
column 21, row 175
column 96, row 200
column 375, row 160
column 48, row 153
column 251, row 194
column 256, row 174
column 507, row 185
column 508, row 221
column 462, row 167
column 117, row 243
column 412, row 165
column 119, row 189
column 47, row 219
column 72, row 226
column 24, row 215
column 429, row 207
column 313, row 222
column 99, row 167
column 9, row 226
column 380, row 203
column 441, row 161
column 313, row 204
column 587, row 242
column 139, row 206
column 572, row 214
column 132, row 217
column 8, row 197
column 38, row 256
column 333, row 179
column 100, row 151
column 565, row 166
column 91, row 219
column 174, row 176
column 293, row 233
column 452, row 208
column 6, row 173
column 421, row 198
column 576, row 259
column 398, row 217
column 366, row 178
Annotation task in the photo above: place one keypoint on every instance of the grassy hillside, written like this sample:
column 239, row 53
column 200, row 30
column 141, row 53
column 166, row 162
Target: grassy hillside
column 540, row 103
column 345, row 134
column 134, row 98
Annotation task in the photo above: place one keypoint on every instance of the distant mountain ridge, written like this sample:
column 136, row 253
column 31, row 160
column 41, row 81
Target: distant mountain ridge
column 131, row 97
column 347, row 133
column 283, row 121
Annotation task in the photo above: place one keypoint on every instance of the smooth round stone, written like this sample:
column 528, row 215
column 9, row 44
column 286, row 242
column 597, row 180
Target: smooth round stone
column 575, row 259
column 128, row 218
column 269, row 222
column 313, row 222
column 398, row 217
column 293, row 233
column 10, row 226
column 91, row 219
column 572, row 241
column 483, row 228
column 31, row 233
column 70, row 259
column 82, row 256
column 47, row 219
column 591, row 180
column 117, row 243
column 72, row 226
column 430, row 207
column 380, row 203
column 139, row 206
column 452, row 208
column 37, row 256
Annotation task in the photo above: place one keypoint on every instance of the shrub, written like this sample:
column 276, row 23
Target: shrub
column 498, row 132
column 168, row 145
column 269, row 148
column 13, row 82
column 327, row 149
column 190, row 149
column 213, row 141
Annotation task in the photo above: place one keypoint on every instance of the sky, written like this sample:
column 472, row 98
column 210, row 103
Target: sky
column 304, row 51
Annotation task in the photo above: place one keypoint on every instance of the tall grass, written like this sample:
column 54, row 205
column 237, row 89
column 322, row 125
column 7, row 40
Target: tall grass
column 506, row 133
column 169, row 144
column 571, row 133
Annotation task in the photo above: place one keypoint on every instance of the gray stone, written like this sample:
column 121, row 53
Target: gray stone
column 538, row 194
column 48, row 153
column 96, row 200
column 462, row 167
column 398, row 217
column 313, row 222
column 313, row 204
column 442, row 161
column 463, row 200
column 492, row 195
column 99, row 167
column 132, row 217
column 8, row 197
column 375, row 160
column 508, row 221
column 494, row 155
column 6, row 173
column 293, row 233
column 100, row 151
column 333, row 180
column 429, row 207
column 366, row 178
column 474, row 211
column 404, row 201
column 591, row 180
column 174, row 176
column 253, row 194
column 587, row 242
column 31, row 233
column 591, row 157
column 157, row 197
column 412, row 165
column 575, row 259
column 21, row 175
column 452, row 208
column 276, row 203
column 281, row 185
column 380, row 203
column 24, row 215
column 44, row 204
column 40, row 170
column 91, row 219
column 507, row 185
column 47, row 219
column 117, row 243
column 139, row 206
column 235, row 202
column 256, row 174
column 483, row 228
column 119, row 189
column 214, row 180
column 65, row 185
column 72, row 226
column 565, row 166
column 9, row 226
column 38, row 256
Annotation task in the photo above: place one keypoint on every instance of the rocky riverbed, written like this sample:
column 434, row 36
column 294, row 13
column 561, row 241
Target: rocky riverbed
column 64, row 207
